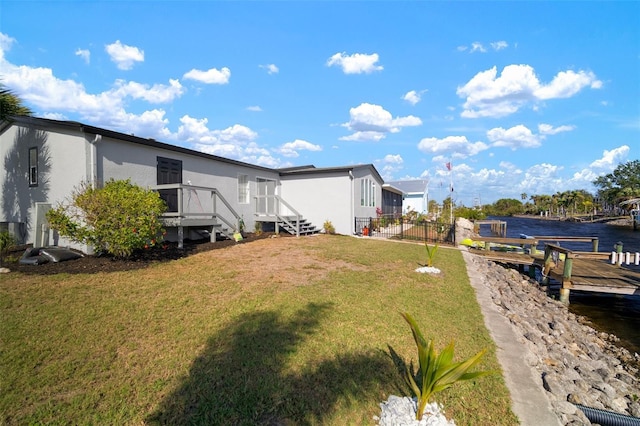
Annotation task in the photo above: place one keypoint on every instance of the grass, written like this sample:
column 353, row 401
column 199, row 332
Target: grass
column 287, row 331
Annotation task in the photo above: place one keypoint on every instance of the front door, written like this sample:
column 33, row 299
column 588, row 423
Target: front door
column 266, row 196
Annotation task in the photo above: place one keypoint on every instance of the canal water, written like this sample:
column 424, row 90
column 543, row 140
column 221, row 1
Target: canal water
column 614, row 314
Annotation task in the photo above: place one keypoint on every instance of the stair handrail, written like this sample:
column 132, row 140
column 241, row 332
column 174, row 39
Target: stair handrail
column 231, row 210
column 284, row 219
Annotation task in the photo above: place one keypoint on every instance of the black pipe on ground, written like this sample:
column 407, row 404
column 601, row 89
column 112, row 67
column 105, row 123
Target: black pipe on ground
column 608, row 418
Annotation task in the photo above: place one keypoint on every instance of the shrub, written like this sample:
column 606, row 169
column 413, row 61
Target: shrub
column 6, row 242
column 328, row 227
column 117, row 218
column 257, row 228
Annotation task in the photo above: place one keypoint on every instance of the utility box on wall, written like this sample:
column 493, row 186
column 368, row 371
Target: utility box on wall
column 42, row 225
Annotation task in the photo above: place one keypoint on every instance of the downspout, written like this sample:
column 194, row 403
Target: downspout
column 93, row 161
column 352, row 202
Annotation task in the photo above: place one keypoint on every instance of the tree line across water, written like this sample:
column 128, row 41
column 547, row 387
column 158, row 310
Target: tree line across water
column 623, row 184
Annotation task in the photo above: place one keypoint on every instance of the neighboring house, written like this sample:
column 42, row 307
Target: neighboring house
column 45, row 160
column 416, row 194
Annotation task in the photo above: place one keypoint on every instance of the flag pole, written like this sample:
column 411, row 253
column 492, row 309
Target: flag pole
column 450, row 194
column 450, row 168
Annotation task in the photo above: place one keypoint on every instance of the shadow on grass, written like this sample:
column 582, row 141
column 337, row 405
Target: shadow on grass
column 241, row 377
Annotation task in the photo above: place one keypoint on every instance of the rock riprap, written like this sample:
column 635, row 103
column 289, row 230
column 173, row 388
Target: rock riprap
column 575, row 363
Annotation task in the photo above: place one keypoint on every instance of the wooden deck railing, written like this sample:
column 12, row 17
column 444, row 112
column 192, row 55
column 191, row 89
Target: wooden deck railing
column 192, row 210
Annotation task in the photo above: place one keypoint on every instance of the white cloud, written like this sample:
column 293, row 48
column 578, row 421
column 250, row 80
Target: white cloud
column 391, row 164
column 499, row 45
column 158, row 93
column 290, row 149
column 372, row 122
column 566, row 84
column 605, row 164
column 413, row 97
column 516, row 137
column 235, row 142
column 148, row 124
column 510, row 167
column 39, row 87
column 542, row 179
column 271, row 68
column 357, row 63
column 548, row 129
column 124, row 56
column 451, row 144
column 611, row 159
column 56, row 97
column 477, row 47
column 5, row 43
column 55, row 116
column 84, row 54
column 254, row 108
column 364, row 137
column 393, row 159
column 210, row 76
column 196, row 130
column 490, row 95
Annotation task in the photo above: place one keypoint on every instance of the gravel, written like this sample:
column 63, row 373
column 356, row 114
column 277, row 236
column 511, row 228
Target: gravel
column 401, row 411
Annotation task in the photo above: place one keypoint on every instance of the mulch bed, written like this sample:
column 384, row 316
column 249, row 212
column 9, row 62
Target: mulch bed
column 140, row 259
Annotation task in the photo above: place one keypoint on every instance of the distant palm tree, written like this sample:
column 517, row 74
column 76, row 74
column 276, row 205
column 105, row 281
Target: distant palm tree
column 10, row 104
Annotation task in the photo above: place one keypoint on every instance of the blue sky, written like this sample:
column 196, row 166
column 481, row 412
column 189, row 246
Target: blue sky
column 520, row 97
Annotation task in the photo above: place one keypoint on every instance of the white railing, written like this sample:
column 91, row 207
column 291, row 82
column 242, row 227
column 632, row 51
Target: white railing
column 274, row 205
column 197, row 202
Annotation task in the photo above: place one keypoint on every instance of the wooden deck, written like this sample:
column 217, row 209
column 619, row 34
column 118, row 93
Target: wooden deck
column 582, row 271
column 600, row 276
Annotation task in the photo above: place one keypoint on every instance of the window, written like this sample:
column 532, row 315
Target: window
column 243, row 189
column 367, row 193
column 33, row 166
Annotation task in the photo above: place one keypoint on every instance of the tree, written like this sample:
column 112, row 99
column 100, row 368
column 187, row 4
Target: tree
column 505, row 207
column 10, row 104
column 621, row 184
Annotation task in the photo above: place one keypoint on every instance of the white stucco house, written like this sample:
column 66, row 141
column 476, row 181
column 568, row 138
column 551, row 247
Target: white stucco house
column 44, row 160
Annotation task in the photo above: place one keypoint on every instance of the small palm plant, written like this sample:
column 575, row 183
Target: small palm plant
column 431, row 253
column 436, row 372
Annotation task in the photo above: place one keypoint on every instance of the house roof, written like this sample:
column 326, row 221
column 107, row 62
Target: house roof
column 305, row 170
column 80, row 127
column 391, row 188
column 416, row 186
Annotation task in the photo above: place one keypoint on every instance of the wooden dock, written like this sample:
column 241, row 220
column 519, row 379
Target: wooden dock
column 583, row 271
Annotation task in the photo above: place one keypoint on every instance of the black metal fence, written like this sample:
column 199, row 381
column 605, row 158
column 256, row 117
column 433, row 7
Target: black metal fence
column 388, row 226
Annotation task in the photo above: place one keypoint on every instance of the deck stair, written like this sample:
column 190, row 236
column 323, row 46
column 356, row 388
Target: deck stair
column 288, row 223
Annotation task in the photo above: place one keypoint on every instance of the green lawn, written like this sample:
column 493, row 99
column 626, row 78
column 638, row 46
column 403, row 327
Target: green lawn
column 283, row 330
